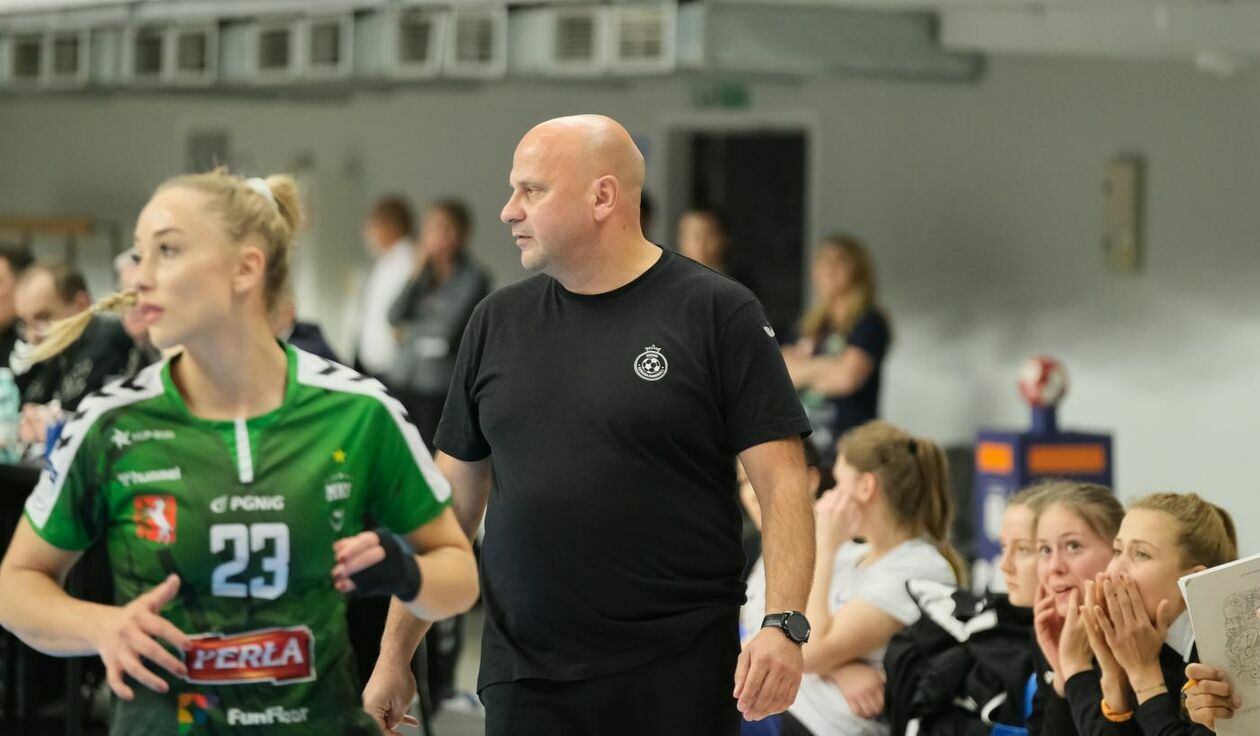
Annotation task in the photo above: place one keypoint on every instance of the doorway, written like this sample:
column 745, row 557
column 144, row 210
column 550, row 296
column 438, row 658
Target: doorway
column 757, row 183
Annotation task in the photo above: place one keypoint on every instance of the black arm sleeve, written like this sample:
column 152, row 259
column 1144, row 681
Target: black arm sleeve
column 1161, row 716
column 758, row 399
column 1084, row 698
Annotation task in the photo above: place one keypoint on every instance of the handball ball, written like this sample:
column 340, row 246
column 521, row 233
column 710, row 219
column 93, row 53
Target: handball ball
column 1042, row 381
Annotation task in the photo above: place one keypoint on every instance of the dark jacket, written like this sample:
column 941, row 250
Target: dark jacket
column 432, row 318
column 962, row 667
column 309, row 337
column 100, row 355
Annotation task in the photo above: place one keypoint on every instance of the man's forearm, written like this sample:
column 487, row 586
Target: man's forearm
column 787, row 532
column 403, row 632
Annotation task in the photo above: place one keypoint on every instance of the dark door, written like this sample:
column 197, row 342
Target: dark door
column 756, row 181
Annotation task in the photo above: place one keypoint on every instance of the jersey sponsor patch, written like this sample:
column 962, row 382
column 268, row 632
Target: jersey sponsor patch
column 155, row 518
column 279, row 656
column 222, row 504
column 269, row 717
column 194, row 710
column 140, row 477
column 123, row 439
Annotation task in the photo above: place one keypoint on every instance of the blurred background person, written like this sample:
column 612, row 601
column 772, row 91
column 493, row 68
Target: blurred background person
column 142, row 352
column 430, row 316
column 702, row 237
column 387, row 237
column 14, row 260
column 837, row 361
column 432, row 310
column 647, row 215
column 46, row 293
column 300, row 334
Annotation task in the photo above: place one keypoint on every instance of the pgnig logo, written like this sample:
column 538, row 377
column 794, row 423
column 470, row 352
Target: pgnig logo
column 194, row 710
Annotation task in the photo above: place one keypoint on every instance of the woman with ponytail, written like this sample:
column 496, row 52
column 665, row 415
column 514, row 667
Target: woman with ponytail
column 230, row 483
column 891, row 491
column 1135, row 619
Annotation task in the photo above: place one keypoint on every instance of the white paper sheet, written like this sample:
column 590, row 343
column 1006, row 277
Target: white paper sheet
column 1222, row 603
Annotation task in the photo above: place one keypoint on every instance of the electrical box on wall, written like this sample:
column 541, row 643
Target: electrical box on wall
column 1123, row 184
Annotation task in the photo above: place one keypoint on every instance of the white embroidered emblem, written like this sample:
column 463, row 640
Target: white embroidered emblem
column 651, row 364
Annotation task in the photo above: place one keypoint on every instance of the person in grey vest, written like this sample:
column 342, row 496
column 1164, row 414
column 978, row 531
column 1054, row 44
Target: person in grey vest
column 431, row 312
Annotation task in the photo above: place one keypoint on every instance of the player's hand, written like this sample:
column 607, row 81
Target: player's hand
column 1209, row 696
column 123, row 635
column 1074, row 649
column 768, row 674
column 838, row 518
column 388, row 695
column 862, row 686
column 354, row 554
column 376, row 562
column 1132, row 636
column 1047, row 626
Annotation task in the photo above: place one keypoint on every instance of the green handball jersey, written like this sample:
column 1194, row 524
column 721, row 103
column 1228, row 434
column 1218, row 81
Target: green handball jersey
column 246, row 513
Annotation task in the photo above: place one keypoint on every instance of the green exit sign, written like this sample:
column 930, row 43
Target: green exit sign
column 721, row 95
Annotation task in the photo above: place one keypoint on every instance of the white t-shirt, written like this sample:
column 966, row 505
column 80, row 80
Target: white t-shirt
column 819, row 704
column 377, row 344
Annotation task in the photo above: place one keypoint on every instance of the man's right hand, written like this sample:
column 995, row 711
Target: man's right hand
column 388, row 696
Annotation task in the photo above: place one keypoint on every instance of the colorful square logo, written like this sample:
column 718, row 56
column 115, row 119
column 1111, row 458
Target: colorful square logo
column 194, row 710
column 155, row 518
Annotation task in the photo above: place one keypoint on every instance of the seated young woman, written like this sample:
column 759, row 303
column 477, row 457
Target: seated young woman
column 1075, row 524
column 892, row 492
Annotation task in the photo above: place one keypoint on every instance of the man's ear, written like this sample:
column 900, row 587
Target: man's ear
column 607, row 194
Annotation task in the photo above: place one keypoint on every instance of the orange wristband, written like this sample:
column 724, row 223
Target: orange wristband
column 1113, row 716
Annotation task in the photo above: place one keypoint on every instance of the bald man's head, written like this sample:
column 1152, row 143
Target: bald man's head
column 575, row 180
column 601, row 145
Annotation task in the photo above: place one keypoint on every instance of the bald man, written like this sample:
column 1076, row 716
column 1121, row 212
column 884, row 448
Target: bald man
column 612, row 394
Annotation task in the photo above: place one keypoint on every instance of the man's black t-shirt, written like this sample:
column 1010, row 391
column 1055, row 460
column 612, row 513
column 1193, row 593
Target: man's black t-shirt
column 612, row 422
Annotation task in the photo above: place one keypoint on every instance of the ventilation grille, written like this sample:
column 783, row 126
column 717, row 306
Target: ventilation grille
column 28, row 57
column 575, row 40
column 474, row 40
column 415, row 37
column 643, row 39
column 68, row 56
column 148, row 46
column 192, row 53
column 275, row 49
column 641, row 35
column 326, row 51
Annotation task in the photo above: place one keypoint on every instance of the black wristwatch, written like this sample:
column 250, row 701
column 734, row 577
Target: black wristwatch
column 793, row 624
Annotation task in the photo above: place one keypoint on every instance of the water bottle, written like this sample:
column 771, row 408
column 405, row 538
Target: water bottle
column 10, row 417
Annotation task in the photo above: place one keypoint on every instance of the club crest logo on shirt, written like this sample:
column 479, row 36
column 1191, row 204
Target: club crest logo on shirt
column 155, row 518
column 651, row 364
column 194, row 710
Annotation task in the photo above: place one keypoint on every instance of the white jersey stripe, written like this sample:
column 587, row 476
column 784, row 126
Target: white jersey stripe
column 146, row 385
column 314, row 371
column 244, row 455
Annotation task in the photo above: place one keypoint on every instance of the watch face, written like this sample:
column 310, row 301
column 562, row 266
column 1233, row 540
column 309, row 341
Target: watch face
column 797, row 627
